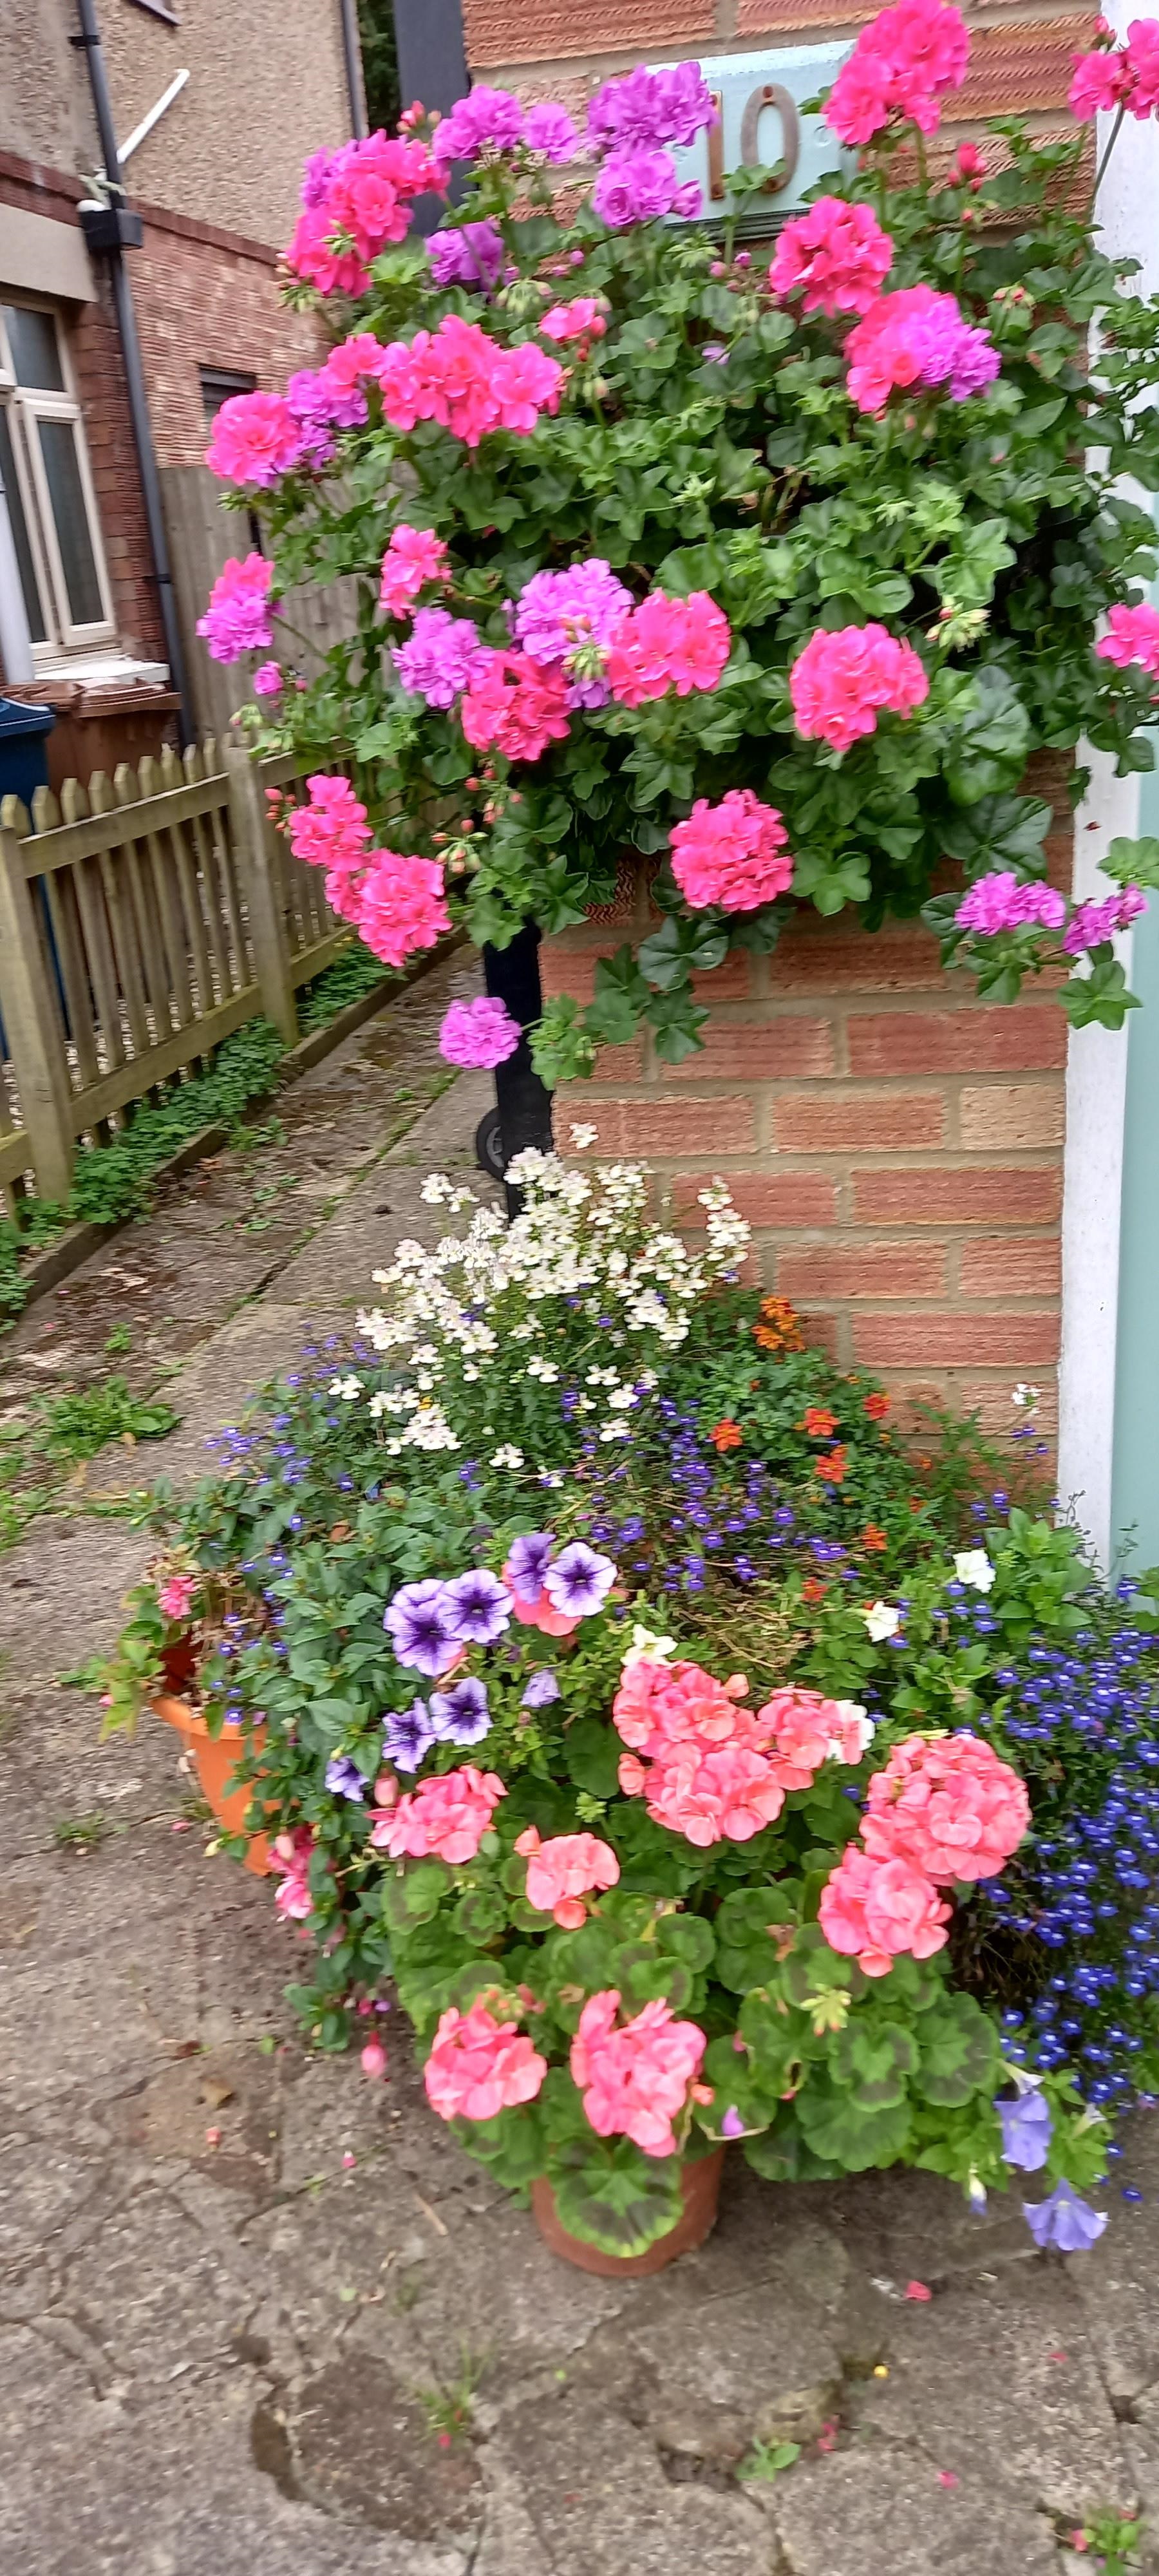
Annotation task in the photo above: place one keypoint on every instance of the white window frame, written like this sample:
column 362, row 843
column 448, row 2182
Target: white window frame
column 27, row 406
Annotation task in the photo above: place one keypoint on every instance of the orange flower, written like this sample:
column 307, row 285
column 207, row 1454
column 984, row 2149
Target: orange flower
column 780, row 1329
column 877, row 1407
column 812, row 1589
column 726, row 1435
column 873, row 1539
column 818, row 1422
column 832, row 1469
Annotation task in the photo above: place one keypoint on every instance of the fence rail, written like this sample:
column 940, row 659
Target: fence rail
column 142, row 920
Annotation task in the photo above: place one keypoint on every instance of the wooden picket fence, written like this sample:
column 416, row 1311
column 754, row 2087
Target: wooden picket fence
column 141, row 921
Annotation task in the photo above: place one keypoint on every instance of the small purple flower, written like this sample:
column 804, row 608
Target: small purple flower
column 1026, row 2130
column 461, row 1715
column 579, row 1582
column 527, row 1563
column 634, row 187
column 732, row 2125
column 467, row 255
column 549, row 130
column 479, row 1033
column 419, row 1625
column 644, row 109
column 487, row 119
column 478, row 1607
column 541, row 1689
column 440, row 658
column 409, row 1735
column 344, row 1779
column 1064, row 2220
column 570, row 618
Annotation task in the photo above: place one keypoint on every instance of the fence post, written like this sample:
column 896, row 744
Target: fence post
column 259, row 859
column 32, row 1025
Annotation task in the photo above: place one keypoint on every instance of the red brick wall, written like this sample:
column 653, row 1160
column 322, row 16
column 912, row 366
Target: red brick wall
column 895, row 1143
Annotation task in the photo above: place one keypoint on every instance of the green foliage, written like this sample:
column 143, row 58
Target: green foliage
column 76, row 1426
column 354, row 972
column 379, row 47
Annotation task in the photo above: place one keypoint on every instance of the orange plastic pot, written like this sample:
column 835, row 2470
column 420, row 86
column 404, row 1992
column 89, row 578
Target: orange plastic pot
column 216, row 1758
column 700, row 2193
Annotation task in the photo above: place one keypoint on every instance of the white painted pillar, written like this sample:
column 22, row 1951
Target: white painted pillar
column 1096, row 1081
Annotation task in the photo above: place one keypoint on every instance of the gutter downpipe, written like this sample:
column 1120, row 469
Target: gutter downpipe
column 352, row 52
column 89, row 41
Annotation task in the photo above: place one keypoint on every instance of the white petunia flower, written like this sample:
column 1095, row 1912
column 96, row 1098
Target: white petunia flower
column 973, row 1567
column 882, row 1621
column 646, row 1648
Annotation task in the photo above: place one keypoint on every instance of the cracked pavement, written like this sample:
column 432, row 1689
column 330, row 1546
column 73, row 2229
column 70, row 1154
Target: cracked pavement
column 236, row 2281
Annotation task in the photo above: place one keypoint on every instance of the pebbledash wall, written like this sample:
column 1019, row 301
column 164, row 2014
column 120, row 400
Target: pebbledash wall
column 937, row 1183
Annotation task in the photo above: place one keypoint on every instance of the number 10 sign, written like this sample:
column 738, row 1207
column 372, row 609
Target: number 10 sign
column 759, row 97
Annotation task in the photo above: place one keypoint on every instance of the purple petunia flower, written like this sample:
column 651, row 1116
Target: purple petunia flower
column 467, row 255
column 549, row 130
column 732, row 2125
column 419, row 1625
column 1026, row 2130
column 579, row 1581
column 409, row 1734
column 1064, row 2220
column 527, row 1563
column 541, row 1689
column 440, row 658
column 478, row 1607
column 344, row 1779
column 461, row 1715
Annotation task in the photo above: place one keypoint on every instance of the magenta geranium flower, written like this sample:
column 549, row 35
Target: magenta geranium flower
column 902, row 65
column 734, row 854
column 834, row 258
column 1132, row 636
column 1003, row 901
column 481, row 1033
column 402, row 907
column 255, row 440
column 846, row 678
column 237, row 619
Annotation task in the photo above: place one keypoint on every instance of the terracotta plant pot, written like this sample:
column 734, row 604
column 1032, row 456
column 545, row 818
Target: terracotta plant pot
column 700, row 2191
column 216, row 1758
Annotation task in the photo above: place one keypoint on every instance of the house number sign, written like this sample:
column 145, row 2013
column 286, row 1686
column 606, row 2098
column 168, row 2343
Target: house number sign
column 759, row 97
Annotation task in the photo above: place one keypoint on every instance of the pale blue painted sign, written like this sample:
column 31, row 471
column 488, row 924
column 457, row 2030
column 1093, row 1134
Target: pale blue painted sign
column 759, row 96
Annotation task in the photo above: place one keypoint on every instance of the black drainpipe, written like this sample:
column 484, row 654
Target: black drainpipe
column 353, row 59
column 110, row 231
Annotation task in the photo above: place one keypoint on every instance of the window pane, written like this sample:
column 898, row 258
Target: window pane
column 66, row 492
column 219, row 385
column 35, row 349
column 27, row 570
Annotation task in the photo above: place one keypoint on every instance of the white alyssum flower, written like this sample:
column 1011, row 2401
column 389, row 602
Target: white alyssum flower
column 583, row 1134
column 973, row 1568
column 1025, row 1395
column 881, row 1621
column 349, row 1388
column 507, row 1456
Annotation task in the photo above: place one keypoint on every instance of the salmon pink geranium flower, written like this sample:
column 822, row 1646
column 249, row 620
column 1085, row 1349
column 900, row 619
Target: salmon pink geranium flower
column 877, row 1910
column 447, row 1816
column 565, row 1869
column 947, row 1805
column 635, row 2077
column 479, row 2066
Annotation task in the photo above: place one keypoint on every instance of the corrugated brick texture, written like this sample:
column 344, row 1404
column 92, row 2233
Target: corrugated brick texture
column 895, row 1143
column 210, row 299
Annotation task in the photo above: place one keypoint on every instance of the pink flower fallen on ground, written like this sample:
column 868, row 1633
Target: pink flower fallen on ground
column 917, row 336
column 373, row 2063
column 479, row 2066
column 268, row 680
column 734, row 854
column 876, row 1910
column 414, row 557
column 515, row 706
column 254, row 441
column 844, row 679
column 835, row 257
column 1092, row 923
column 680, row 644
column 1006, row 902
column 635, row 2079
column 565, row 1869
column 1132, row 636
column 481, row 1033
column 175, row 1597
column 237, row 619
column 948, row 1806
column 902, row 65
column 919, row 2291
column 402, row 906
column 447, row 1815
column 582, row 319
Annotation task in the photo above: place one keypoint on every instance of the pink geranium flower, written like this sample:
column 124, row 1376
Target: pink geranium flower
column 447, row 1816
column 707, row 1771
column 255, row 440
column 680, row 644
column 843, row 680
column 479, row 2066
column 948, row 1806
column 515, row 706
column 291, row 1853
column 565, row 1869
column 332, row 831
column 237, row 619
column 802, row 1724
column 917, row 336
column 402, row 906
column 902, row 65
column 877, row 1910
column 734, row 854
column 834, row 257
column 462, row 378
column 1132, row 636
column 414, row 557
column 481, row 1033
column 175, row 1597
column 539, row 1613
column 635, row 2078
column 582, row 319
column 1003, row 901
